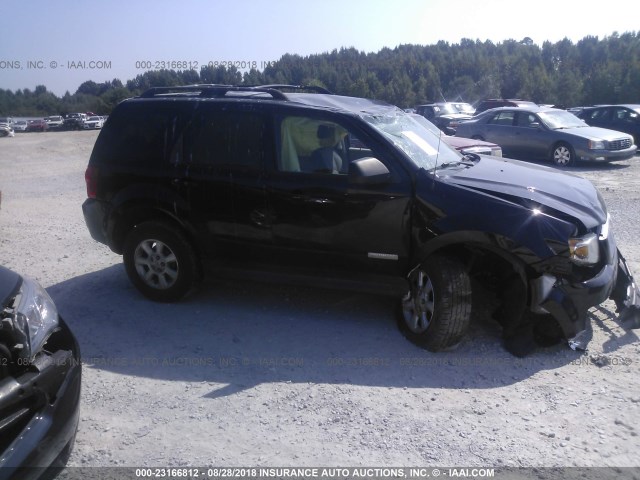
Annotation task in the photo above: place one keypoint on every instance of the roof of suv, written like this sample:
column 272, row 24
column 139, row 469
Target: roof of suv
column 525, row 108
column 320, row 97
column 500, row 102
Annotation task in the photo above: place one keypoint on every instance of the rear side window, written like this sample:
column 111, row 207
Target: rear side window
column 142, row 133
column 222, row 137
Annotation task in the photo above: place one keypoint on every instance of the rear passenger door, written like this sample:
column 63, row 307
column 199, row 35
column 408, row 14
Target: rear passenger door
column 225, row 150
column 500, row 129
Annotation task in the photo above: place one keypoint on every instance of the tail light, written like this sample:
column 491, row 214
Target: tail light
column 91, row 179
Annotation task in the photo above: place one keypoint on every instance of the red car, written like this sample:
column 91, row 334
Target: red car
column 38, row 125
column 463, row 145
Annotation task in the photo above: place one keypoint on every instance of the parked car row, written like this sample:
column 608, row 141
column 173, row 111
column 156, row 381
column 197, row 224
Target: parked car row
column 528, row 131
column 71, row 121
column 548, row 134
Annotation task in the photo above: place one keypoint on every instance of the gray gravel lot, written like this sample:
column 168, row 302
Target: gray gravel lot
column 251, row 374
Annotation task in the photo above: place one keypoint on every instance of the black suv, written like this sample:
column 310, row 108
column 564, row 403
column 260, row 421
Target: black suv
column 499, row 102
column 445, row 115
column 350, row 193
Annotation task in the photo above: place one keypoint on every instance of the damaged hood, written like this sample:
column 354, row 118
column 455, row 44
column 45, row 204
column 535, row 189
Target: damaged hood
column 513, row 180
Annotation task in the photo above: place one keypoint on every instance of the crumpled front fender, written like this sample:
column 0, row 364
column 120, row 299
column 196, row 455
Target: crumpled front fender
column 626, row 295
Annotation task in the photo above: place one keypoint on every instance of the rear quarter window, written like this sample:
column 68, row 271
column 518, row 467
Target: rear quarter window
column 142, row 133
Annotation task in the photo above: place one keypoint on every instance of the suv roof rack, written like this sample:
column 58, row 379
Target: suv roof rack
column 211, row 90
column 219, row 90
column 310, row 88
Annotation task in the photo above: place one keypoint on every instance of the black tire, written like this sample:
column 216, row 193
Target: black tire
column 160, row 261
column 546, row 331
column 478, row 137
column 436, row 312
column 562, row 155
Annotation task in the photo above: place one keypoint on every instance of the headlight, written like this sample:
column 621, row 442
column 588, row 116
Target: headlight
column 596, row 145
column 36, row 317
column 584, row 250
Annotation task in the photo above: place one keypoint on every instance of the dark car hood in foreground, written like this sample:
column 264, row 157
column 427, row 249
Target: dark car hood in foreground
column 560, row 191
column 9, row 283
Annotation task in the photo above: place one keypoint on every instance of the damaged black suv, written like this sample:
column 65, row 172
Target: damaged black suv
column 281, row 181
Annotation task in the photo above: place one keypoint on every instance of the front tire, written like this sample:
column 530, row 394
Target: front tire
column 160, row 261
column 562, row 155
column 436, row 312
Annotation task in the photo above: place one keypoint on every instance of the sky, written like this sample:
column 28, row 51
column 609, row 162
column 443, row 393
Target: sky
column 62, row 43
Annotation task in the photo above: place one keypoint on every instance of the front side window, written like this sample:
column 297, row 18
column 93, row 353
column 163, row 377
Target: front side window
column 313, row 145
column 526, row 119
column 626, row 115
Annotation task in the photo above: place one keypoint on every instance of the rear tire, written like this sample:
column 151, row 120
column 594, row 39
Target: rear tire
column 436, row 312
column 160, row 261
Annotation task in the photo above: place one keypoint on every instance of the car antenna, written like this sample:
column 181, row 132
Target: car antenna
column 435, row 168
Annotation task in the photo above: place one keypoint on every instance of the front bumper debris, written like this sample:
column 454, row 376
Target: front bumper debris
column 626, row 295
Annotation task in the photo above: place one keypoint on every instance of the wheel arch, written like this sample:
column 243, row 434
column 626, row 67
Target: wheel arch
column 493, row 269
column 472, row 246
column 128, row 216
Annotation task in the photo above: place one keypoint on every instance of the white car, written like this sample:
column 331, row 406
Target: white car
column 93, row 122
column 54, row 121
column 20, row 126
column 6, row 130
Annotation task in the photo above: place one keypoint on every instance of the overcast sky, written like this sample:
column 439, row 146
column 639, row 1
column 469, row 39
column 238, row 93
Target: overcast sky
column 62, row 43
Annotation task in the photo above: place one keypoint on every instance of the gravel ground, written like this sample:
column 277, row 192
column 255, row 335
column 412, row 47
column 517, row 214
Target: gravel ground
column 251, row 374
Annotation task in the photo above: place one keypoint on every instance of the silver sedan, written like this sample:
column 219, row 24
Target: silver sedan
column 540, row 133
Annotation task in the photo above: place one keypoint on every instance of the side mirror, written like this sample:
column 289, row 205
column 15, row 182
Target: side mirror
column 535, row 125
column 368, row 171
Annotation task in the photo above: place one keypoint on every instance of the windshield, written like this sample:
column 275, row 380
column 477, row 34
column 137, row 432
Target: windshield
column 560, row 119
column 447, row 108
column 413, row 138
column 465, row 108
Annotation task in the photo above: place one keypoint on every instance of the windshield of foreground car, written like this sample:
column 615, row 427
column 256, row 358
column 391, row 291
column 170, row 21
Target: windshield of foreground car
column 423, row 147
column 560, row 119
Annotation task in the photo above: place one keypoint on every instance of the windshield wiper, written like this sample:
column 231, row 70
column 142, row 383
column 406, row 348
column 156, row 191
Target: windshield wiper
column 457, row 163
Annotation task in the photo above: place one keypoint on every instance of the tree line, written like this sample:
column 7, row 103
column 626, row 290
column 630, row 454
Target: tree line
column 591, row 71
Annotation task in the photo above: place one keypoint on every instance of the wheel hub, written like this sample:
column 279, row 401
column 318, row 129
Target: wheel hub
column 419, row 305
column 156, row 264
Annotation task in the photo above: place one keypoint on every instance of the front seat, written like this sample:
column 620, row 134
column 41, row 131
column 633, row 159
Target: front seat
column 326, row 160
